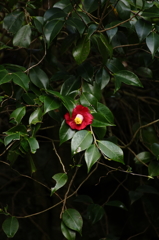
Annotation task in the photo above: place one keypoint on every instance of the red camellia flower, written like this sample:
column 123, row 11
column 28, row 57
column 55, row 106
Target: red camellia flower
column 80, row 118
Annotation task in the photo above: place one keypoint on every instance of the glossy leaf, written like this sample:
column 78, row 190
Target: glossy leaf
column 39, row 77
column 23, row 37
column 54, row 14
column 69, row 103
column 33, row 143
column 11, row 137
column 155, row 150
column 65, row 133
column 102, row 78
column 70, row 85
column 111, row 33
column 94, row 213
column 100, row 120
column 39, row 21
column 144, row 72
column 72, row 219
column 65, row 5
column 152, row 42
column 118, row 204
column 13, row 21
column 85, row 70
column 50, row 104
column 123, row 9
column 126, row 77
column 151, row 12
column 21, row 79
column 81, row 141
column 153, row 169
column 18, row 114
column 134, row 196
column 87, row 99
column 93, row 88
column 5, row 76
column 67, row 232
column 81, row 50
column 100, row 132
column 103, row 45
column 91, row 156
column 91, row 29
column 36, row 116
column 77, row 23
column 61, row 179
column 105, row 111
column 112, row 151
column 144, row 157
column 90, row 5
column 143, row 28
column 51, row 30
column 10, row 226
column 115, row 65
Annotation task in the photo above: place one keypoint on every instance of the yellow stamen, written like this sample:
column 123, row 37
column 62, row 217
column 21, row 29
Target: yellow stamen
column 78, row 119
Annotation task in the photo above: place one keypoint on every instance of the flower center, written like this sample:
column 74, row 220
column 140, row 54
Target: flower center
column 78, row 119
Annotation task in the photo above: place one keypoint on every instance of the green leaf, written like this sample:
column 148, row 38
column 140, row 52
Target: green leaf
column 134, row 196
column 50, row 104
column 32, row 164
column 94, row 213
column 5, row 76
column 100, row 120
column 123, row 9
column 77, row 23
column 94, row 89
column 114, row 65
column 152, row 42
column 91, row 156
column 54, row 14
column 81, row 141
column 13, row 21
column 21, row 79
column 65, row 5
column 51, row 30
column 100, row 132
column 102, row 77
column 72, row 219
column 103, row 45
column 67, row 232
column 118, row 204
column 65, row 132
column 143, row 28
column 33, row 143
column 90, row 5
column 112, row 151
column 69, row 103
column 112, row 32
column 144, row 72
column 126, row 77
column 91, row 29
column 87, row 99
column 36, row 116
column 39, row 77
column 10, row 226
column 18, row 114
column 81, row 50
column 85, row 70
column 19, row 128
column 12, row 137
column 23, row 37
column 155, row 150
column 150, row 12
column 153, row 169
column 105, row 111
column 144, row 157
column 70, row 85
column 61, row 179
column 39, row 21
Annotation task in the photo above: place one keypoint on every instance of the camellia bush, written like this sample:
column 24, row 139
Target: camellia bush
column 79, row 105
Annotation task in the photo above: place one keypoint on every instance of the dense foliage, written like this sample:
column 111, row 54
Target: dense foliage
column 79, row 95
